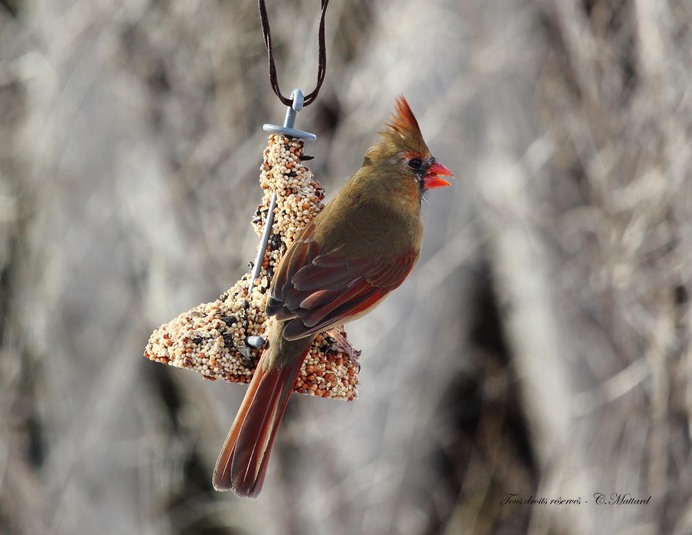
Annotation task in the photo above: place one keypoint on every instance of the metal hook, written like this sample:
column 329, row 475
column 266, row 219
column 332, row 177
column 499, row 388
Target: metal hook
column 286, row 130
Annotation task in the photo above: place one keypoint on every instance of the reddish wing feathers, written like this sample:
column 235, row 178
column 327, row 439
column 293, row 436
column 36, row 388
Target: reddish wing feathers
column 295, row 256
column 317, row 291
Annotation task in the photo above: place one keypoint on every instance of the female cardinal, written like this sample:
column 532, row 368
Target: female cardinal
column 357, row 250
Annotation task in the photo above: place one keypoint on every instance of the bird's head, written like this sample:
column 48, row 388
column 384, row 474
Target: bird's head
column 403, row 149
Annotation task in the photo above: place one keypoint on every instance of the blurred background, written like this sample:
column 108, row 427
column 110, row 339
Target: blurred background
column 541, row 348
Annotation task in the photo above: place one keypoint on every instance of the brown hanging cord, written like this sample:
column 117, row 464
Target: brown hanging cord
column 321, row 53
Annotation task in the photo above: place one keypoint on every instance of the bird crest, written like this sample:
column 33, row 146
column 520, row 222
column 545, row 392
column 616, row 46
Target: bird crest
column 403, row 130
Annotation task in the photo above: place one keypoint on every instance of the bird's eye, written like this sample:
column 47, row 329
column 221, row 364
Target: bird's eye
column 415, row 164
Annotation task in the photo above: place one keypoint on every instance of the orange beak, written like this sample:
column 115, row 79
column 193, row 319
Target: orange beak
column 433, row 178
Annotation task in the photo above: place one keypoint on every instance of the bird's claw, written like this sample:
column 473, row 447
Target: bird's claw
column 341, row 343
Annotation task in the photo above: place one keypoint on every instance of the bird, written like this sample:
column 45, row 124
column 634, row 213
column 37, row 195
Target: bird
column 359, row 248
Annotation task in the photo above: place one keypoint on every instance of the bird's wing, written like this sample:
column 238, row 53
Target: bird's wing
column 313, row 291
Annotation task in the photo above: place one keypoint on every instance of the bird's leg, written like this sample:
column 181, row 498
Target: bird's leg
column 342, row 344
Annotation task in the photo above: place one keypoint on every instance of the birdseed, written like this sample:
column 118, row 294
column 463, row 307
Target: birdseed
column 211, row 338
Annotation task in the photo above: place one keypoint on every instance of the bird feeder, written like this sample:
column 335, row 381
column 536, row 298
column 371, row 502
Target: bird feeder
column 223, row 339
